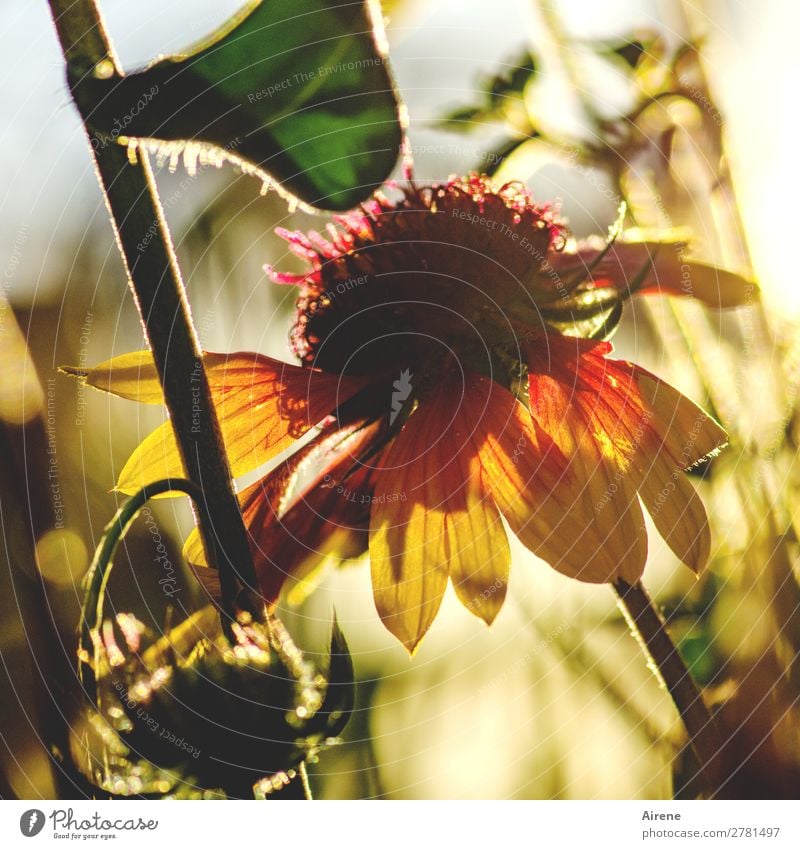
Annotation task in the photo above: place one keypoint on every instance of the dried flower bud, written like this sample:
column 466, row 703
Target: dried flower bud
column 192, row 714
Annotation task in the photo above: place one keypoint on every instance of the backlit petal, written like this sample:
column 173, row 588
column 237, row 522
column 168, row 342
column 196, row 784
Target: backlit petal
column 680, row 435
column 677, row 512
column 407, row 562
column 478, row 553
column 576, row 397
column 130, row 376
column 263, row 405
column 305, row 512
column 670, row 272
column 529, row 479
column 625, row 431
column 431, row 518
column 407, row 545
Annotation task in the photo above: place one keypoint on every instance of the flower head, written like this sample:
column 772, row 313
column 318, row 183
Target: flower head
column 445, row 265
column 455, row 369
column 194, row 713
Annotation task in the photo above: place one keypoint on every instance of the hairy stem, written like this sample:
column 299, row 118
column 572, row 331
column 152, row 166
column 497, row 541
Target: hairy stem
column 648, row 626
column 302, row 776
column 146, row 247
column 100, row 569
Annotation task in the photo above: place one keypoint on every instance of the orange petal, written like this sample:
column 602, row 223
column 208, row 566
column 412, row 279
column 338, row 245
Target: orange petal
column 431, row 519
column 677, row 512
column 653, row 433
column 535, row 487
column 523, row 469
column 626, row 431
column 686, row 432
column 578, row 398
column 263, row 405
column 680, row 434
column 479, row 556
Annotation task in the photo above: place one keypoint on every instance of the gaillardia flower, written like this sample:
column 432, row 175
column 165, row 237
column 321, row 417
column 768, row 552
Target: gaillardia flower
column 453, row 364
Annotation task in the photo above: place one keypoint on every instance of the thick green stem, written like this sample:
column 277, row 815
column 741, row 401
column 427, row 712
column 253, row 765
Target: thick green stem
column 648, row 626
column 155, row 280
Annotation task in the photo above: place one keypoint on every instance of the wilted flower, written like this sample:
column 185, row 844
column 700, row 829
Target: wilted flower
column 453, row 361
column 194, row 713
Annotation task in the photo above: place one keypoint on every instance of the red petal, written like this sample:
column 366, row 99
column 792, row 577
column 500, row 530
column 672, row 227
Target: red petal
column 670, row 272
column 303, row 511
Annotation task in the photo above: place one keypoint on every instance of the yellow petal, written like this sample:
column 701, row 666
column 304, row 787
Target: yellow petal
column 263, row 405
column 408, row 564
column 130, row 376
column 433, row 516
column 155, row 458
column 193, row 549
column 678, row 514
column 541, row 495
column 477, row 546
column 625, row 431
column 714, row 286
column 410, row 547
column 687, row 433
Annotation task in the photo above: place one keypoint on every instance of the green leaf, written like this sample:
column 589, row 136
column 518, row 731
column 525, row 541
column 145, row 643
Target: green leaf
column 496, row 90
column 513, row 82
column 631, row 52
column 637, row 50
column 596, row 325
column 299, row 93
column 462, row 118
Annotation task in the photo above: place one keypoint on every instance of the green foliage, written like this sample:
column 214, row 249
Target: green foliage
column 301, row 95
column 498, row 92
column 633, row 50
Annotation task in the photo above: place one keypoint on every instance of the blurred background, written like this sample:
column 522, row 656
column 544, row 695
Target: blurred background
column 685, row 110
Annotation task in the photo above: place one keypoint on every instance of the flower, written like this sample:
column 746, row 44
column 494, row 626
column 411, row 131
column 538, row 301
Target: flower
column 453, row 364
column 193, row 713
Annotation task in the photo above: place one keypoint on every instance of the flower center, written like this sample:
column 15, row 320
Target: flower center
column 454, row 269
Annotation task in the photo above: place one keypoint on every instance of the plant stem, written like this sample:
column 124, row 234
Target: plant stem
column 100, row 570
column 302, row 776
column 155, row 280
column 649, row 628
